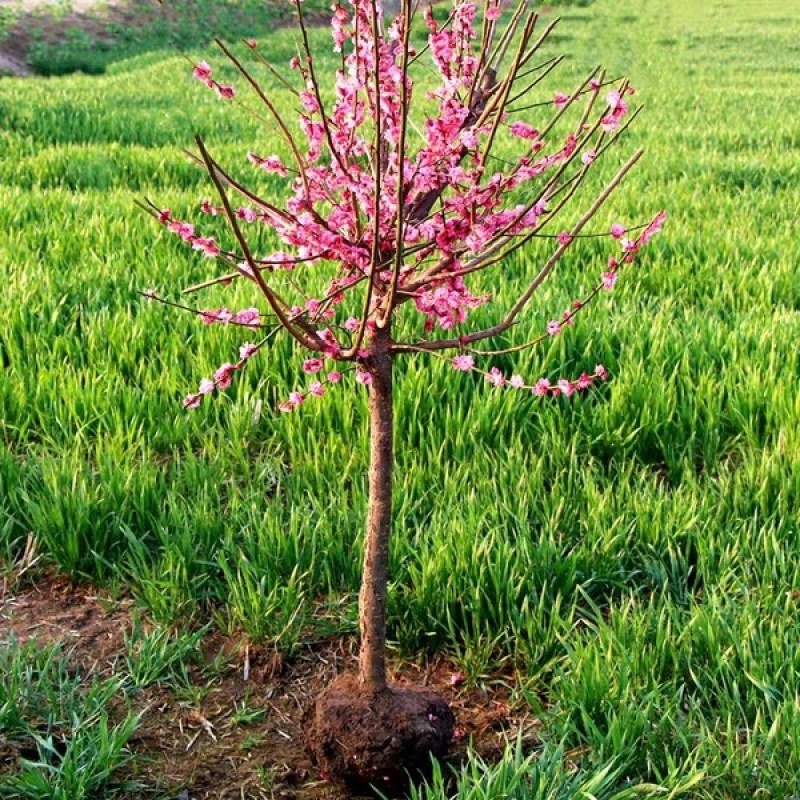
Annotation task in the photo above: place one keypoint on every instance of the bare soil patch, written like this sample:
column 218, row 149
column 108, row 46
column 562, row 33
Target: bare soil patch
column 199, row 747
column 47, row 38
column 42, row 21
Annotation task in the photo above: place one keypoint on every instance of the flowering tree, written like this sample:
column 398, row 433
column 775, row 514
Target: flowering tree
column 402, row 215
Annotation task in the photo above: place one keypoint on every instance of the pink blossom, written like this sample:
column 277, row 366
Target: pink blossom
column 541, row 387
column 186, row 231
column 363, row 377
column 150, row 294
column 192, row 400
column 584, row 382
column 247, row 350
column 247, row 214
column 654, row 227
column 269, row 164
column 495, row 377
column 286, row 407
column 588, row 157
column 456, row 679
column 223, row 376
column 309, row 102
column 609, row 123
column 334, row 377
column 206, row 386
column 613, row 99
column 296, row 398
column 251, row 43
column 553, row 327
column 164, row 216
column 516, row 382
column 249, row 317
column 312, row 365
column 629, row 245
column 618, row 230
column 523, row 130
column 225, row 92
column 207, row 245
column 609, row 280
column 351, row 324
column 183, row 229
column 560, row 99
column 601, row 372
column 202, row 72
column 317, row 389
column 338, row 23
column 449, row 301
column 211, row 316
column 566, row 387
column 493, row 13
column 470, row 140
column 464, row 363
column 620, row 107
column 564, row 238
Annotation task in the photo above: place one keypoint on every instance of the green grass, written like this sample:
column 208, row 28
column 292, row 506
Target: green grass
column 634, row 554
column 60, row 43
column 59, row 720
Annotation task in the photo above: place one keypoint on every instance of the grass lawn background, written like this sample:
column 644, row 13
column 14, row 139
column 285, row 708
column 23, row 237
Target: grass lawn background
column 632, row 557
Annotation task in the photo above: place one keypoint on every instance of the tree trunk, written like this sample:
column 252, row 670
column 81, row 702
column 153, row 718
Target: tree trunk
column 372, row 599
column 362, row 732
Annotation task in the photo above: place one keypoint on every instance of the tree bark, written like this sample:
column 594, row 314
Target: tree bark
column 372, row 599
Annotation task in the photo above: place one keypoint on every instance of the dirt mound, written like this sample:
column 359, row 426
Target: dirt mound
column 364, row 740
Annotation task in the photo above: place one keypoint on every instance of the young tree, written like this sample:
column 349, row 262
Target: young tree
column 401, row 214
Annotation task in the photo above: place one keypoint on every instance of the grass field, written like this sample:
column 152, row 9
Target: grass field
column 629, row 562
column 66, row 36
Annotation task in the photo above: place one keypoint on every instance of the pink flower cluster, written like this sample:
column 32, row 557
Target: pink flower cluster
column 186, row 231
column 542, row 387
column 248, row 317
column 608, row 280
column 617, row 109
column 342, row 204
column 269, row 164
column 447, row 303
column 202, row 72
column 315, row 389
column 222, row 378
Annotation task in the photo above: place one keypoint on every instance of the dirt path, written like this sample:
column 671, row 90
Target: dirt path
column 79, row 6
column 10, row 65
column 14, row 47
